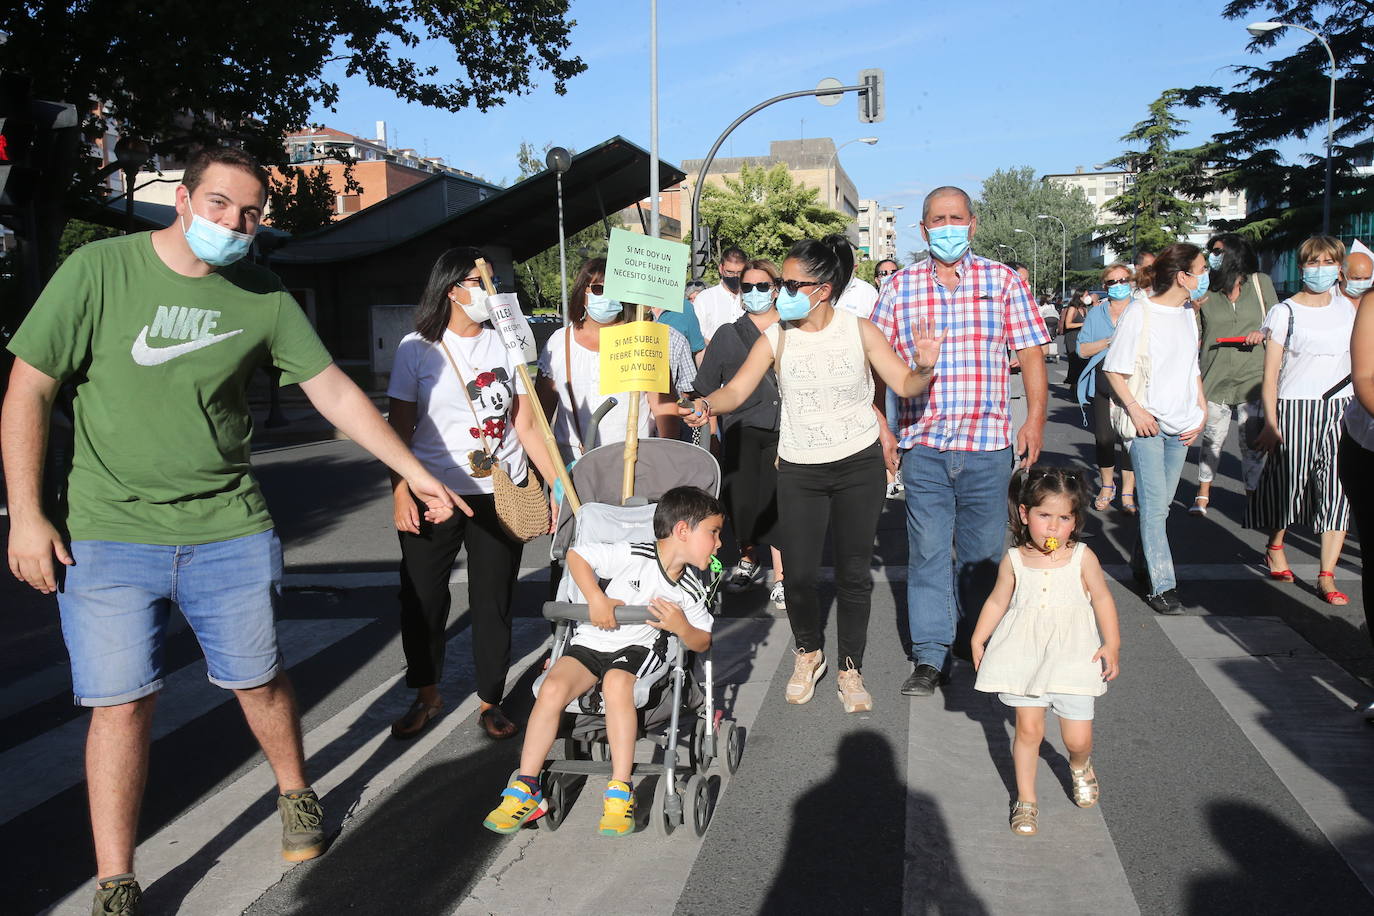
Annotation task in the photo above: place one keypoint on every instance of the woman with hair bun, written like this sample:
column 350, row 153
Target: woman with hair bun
column 1171, row 408
column 830, row 460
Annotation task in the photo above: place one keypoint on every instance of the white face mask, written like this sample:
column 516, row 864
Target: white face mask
column 476, row 309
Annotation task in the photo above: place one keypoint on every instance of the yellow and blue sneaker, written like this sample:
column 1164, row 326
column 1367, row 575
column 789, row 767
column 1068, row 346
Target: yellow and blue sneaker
column 618, row 810
column 519, row 806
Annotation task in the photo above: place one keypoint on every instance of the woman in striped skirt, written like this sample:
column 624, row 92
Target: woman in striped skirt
column 1305, row 392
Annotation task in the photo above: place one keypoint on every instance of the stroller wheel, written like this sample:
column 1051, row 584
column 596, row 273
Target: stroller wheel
column 556, row 794
column 699, row 758
column 734, row 745
column 698, row 801
column 659, row 819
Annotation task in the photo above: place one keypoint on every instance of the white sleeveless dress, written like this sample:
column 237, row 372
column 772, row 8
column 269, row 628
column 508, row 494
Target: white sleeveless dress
column 1047, row 639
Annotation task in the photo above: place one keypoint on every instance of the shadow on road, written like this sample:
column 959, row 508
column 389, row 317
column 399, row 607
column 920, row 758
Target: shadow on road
column 841, row 851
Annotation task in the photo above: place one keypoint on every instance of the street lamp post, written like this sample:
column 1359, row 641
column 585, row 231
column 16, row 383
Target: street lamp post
column 1063, row 254
column 829, row 173
column 560, row 160
column 1259, row 29
column 1035, row 260
column 1015, row 256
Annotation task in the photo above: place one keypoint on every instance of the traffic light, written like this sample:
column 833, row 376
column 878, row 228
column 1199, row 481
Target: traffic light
column 701, row 252
column 871, row 99
column 16, row 141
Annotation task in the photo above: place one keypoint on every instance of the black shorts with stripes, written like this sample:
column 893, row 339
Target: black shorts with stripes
column 630, row 658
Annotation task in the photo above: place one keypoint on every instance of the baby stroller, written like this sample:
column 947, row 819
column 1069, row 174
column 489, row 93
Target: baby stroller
column 674, row 703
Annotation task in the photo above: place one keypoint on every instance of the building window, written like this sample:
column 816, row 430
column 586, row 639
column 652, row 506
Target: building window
column 349, row 203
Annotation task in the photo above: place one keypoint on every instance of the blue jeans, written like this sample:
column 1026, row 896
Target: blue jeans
column 956, row 508
column 116, row 600
column 1158, row 462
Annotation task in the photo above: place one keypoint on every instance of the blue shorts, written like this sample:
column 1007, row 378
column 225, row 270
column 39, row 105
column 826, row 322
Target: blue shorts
column 1064, row 705
column 116, row 601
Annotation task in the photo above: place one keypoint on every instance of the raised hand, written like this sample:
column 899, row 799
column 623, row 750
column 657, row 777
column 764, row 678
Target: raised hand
column 927, row 344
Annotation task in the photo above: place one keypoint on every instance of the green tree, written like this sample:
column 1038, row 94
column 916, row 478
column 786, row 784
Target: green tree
column 250, row 71
column 765, row 212
column 1160, row 203
column 536, row 278
column 1013, row 199
column 1286, row 99
column 304, row 200
column 78, row 232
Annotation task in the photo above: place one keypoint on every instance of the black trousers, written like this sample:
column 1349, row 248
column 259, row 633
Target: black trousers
column 1357, row 475
column 846, row 496
column 1106, row 439
column 493, row 564
column 751, row 483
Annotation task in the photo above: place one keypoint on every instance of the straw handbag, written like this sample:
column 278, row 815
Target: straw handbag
column 522, row 510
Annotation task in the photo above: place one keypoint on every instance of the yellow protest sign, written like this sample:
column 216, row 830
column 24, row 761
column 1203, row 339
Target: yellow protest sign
column 634, row 357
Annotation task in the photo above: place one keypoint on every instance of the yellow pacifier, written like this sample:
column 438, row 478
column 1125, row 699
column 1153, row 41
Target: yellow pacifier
column 1051, row 543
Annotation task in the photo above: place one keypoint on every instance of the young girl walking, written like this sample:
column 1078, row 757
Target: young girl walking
column 1048, row 636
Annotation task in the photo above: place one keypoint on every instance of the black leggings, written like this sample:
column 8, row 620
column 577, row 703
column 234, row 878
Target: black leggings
column 493, row 564
column 1104, row 436
column 1356, row 466
column 751, row 483
column 846, row 496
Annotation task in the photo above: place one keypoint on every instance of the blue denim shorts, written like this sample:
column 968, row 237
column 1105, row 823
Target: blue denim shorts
column 1064, row 705
column 116, row 602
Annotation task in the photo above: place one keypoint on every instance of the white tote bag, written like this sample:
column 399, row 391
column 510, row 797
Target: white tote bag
column 1137, row 383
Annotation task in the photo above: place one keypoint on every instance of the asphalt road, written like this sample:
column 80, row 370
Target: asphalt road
column 1235, row 778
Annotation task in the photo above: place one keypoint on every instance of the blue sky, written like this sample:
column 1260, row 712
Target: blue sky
column 972, row 85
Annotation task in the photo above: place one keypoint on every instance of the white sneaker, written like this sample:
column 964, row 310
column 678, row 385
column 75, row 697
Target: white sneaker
column 805, row 673
column 745, row 575
column 895, row 490
column 778, row 596
column 853, row 694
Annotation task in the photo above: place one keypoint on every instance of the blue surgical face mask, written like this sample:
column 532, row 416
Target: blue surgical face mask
column 794, row 306
column 1357, row 288
column 213, row 243
column 1119, row 291
column 1320, row 279
column 756, row 303
column 602, row 310
column 1214, row 261
column 1203, row 283
column 949, row 242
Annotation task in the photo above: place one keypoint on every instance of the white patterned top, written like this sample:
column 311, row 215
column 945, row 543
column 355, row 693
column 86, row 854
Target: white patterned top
column 827, row 392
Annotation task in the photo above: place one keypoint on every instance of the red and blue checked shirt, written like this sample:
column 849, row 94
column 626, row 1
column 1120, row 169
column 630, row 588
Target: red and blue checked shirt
column 966, row 406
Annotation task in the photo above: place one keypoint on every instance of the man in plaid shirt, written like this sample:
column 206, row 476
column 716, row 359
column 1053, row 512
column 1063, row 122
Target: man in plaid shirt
column 956, row 439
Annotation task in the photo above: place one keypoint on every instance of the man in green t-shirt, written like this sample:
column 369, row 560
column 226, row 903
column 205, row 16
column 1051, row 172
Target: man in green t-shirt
column 158, row 334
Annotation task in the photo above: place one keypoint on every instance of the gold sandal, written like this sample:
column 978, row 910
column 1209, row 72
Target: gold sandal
column 1023, row 818
column 1085, row 790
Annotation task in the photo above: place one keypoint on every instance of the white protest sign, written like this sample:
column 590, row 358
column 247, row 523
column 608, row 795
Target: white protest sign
column 511, row 325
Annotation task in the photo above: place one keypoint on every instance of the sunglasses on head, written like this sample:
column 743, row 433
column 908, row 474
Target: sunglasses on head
column 793, row 286
column 764, row 287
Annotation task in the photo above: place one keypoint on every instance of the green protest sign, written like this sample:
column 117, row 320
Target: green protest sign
column 646, row 271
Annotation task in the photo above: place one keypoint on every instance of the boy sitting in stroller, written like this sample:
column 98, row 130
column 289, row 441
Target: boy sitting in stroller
column 687, row 525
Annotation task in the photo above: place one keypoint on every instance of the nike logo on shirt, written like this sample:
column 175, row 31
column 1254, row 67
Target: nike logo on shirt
column 145, row 355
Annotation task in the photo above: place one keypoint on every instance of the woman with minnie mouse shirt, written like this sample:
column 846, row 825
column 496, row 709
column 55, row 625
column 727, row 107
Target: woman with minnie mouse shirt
column 454, row 401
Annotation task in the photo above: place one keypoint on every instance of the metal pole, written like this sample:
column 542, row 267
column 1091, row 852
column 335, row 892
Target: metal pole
column 653, row 118
column 562, row 258
column 706, row 163
column 1330, row 134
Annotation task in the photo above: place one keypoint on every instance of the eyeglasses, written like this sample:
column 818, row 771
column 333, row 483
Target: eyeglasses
column 596, row 288
column 792, row 286
column 884, row 273
column 761, row 287
column 727, row 272
column 466, row 281
column 1218, row 251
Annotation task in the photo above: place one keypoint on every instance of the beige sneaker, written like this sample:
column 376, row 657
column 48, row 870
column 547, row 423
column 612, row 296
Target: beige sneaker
column 851, row 689
column 805, row 673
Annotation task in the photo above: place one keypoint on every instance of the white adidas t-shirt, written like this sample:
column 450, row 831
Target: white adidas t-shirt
column 446, row 427
column 636, row 578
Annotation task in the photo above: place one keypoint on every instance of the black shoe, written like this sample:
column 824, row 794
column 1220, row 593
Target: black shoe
column 1166, row 602
column 922, row 681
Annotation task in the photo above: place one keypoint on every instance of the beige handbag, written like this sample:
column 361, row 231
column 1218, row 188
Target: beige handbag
column 522, row 510
column 1137, row 383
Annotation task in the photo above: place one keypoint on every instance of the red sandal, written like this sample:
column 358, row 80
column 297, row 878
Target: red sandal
column 1283, row 575
column 1340, row 599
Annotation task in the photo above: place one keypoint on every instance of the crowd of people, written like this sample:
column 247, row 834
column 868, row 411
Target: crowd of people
column 822, row 395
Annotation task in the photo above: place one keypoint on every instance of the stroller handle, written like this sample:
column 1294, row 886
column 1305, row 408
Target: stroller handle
column 581, row 613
